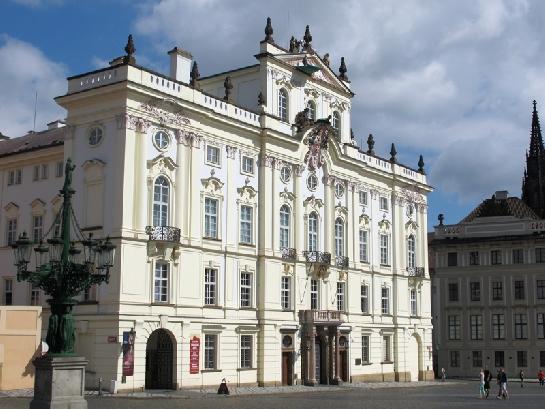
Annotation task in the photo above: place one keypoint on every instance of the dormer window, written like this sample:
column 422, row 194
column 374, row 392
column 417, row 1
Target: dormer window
column 283, row 105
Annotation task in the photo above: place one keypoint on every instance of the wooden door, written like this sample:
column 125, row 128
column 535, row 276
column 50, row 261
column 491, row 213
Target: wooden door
column 344, row 365
column 287, row 369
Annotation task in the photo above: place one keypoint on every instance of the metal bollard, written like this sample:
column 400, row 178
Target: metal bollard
column 99, row 386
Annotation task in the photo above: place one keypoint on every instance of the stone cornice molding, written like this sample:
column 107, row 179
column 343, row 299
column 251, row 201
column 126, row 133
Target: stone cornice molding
column 132, row 122
column 189, row 138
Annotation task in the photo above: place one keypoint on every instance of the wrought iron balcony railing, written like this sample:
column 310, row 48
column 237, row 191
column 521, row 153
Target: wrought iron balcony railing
column 341, row 261
column 319, row 257
column 416, row 272
column 289, row 254
column 163, row 233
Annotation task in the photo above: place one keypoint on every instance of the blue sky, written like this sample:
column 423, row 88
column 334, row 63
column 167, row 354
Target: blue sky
column 452, row 80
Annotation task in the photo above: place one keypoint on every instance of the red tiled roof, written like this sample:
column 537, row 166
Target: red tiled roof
column 512, row 206
column 32, row 141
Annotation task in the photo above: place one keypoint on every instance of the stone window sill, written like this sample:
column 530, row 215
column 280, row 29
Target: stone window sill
column 246, row 369
column 211, row 370
column 211, row 238
column 217, row 307
column 387, row 362
column 246, row 245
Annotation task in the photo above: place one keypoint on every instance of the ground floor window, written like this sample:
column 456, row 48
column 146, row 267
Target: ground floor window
column 210, row 351
column 387, row 348
column 477, row 359
column 522, row 359
column 542, row 358
column 365, row 349
column 499, row 359
column 245, row 351
column 454, row 359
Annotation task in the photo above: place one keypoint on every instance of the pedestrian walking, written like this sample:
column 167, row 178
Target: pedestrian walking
column 521, row 376
column 443, row 374
column 503, row 384
column 541, row 377
column 498, row 380
column 482, row 393
column 487, row 379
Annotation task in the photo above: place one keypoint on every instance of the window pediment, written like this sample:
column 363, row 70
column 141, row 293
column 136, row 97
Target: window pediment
column 411, row 226
column 364, row 221
column 247, row 194
column 162, row 163
column 312, row 203
column 384, row 226
column 341, row 211
column 212, row 184
column 287, row 196
column 11, row 209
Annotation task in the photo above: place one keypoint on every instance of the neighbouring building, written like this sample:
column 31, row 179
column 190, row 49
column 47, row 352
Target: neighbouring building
column 488, row 280
column 255, row 240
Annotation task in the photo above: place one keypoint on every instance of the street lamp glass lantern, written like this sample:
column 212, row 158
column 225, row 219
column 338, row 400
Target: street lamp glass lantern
column 55, row 249
column 22, row 250
column 108, row 253
column 42, row 254
column 89, row 246
column 74, row 254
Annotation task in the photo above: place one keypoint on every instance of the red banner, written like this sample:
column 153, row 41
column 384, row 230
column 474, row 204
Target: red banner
column 128, row 353
column 194, row 351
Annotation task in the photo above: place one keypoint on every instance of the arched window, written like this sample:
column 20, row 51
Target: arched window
column 161, row 193
column 336, row 122
column 313, row 232
column 283, row 105
column 339, row 237
column 411, row 252
column 311, row 110
column 285, row 227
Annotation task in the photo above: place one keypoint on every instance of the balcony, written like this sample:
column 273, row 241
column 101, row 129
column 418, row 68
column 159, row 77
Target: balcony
column 289, row 254
column 320, row 317
column 317, row 257
column 163, row 233
column 416, row 271
column 341, row 261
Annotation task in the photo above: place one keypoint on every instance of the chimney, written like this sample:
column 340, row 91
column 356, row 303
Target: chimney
column 55, row 124
column 180, row 64
column 501, row 194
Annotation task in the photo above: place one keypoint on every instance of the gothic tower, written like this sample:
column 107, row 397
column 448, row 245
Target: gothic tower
column 533, row 182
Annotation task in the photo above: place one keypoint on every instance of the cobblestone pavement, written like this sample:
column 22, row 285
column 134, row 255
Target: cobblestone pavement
column 452, row 394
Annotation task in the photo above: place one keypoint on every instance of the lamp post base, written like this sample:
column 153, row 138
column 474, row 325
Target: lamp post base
column 59, row 383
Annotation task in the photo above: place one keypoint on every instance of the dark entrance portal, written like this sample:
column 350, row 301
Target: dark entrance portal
column 159, row 360
column 287, row 368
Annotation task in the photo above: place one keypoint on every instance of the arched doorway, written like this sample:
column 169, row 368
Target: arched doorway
column 160, row 360
column 343, row 358
column 412, row 357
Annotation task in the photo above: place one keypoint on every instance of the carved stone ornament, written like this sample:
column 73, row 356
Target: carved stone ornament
column 231, row 151
column 162, row 163
column 247, row 194
column 286, row 196
column 337, row 105
column 312, row 92
column 364, row 221
column 411, row 226
column 299, row 170
column 166, row 112
column 267, row 160
column 312, row 203
column 317, row 140
column 212, row 184
column 189, row 138
column 132, row 122
column 384, row 226
column 281, row 79
column 302, row 120
column 412, row 196
column 341, row 210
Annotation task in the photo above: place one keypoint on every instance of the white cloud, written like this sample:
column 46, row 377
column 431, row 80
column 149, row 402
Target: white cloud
column 25, row 71
column 38, row 3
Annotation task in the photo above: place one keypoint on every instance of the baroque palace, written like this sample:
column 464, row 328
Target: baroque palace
column 256, row 241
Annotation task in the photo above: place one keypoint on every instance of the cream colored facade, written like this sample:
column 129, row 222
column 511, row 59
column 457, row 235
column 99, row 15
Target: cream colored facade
column 259, row 207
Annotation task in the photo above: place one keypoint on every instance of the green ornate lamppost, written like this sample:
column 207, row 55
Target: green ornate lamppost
column 65, row 267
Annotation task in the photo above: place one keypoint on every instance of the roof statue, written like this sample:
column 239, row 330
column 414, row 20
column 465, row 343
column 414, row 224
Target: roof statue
column 130, row 50
column 370, row 145
column 269, row 31
column 295, row 45
column 194, row 75
column 393, row 153
column 343, row 70
column 307, row 47
column 325, row 59
column 260, row 99
column 228, row 85
column 421, row 165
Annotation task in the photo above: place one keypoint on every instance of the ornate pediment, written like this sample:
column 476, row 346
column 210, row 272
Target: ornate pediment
column 312, row 203
column 364, row 221
column 212, row 184
column 165, row 112
column 287, row 196
column 384, row 226
column 37, row 204
column 341, row 210
column 163, row 164
column 11, row 207
column 247, row 194
column 411, row 195
column 411, row 226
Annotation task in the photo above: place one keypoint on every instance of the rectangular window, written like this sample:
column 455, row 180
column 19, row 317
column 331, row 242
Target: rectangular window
column 211, row 218
column 452, row 259
column 285, row 293
column 210, row 286
column 499, row 359
column 541, row 358
column 8, row 291
column 314, row 295
column 540, row 289
column 475, row 290
column 365, row 298
column 36, row 173
column 498, row 326
column 365, row 349
column 476, row 324
column 386, row 348
column 212, row 155
column 363, row 198
column 453, row 294
column 59, row 169
column 540, row 255
column 246, row 351
column 245, row 290
column 519, row 290
column 246, row 221
column 383, row 202
column 473, row 258
column 37, row 228
column 384, row 250
column 454, row 359
column 363, row 246
column 35, row 295
column 521, row 326
column 15, row 177
column 414, row 309
column 454, row 327
column 477, row 359
column 540, row 319
column 518, row 256
column 45, row 171
column 385, row 300
column 497, row 290
column 247, row 165
column 495, row 257
column 340, row 296
column 210, row 351
column 160, row 284
column 522, row 359
column 11, row 232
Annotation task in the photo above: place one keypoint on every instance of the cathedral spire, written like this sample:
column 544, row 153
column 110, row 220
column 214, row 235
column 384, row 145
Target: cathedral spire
column 533, row 183
column 536, row 141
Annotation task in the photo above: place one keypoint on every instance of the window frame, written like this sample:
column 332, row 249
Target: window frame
column 210, row 286
column 365, row 350
column 339, row 237
column 411, row 251
column 540, row 325
column 246, row 351
column 520, row 321
column 8, row 291
column 475, row 291
column 364, row 245
column 364, row 298
column 454, row 327
column 519, row 291
column 11, row 230
column 540, row 289
column 285, row 293
column 336, row 122
column 341, row 296
column 413, row 302
column 385, row 300
column 384, row 249
column 243, row 162
column 495, row 257
column 477, row 359
column 387, row 349
column 311, row 105
column 451, row 292
column 384, row 204
column 59, row 169
column 284, row 226
column 246, row 278
column 499, row 359
column 285, row 174
column 454, row 359
column 160, row 206
column 497, row 290
column 476, row 327
column 498, row 326
column 540, row 255
column 314, row 294
column 522, row 359
column 161, row 283
column 283, row 105
column 246, row 224
column 211, row 219
column 314, row 233
column 452, row 259
column 158, row 144
column 95, row 136
column 362, row 198
column 210, row 359
column 37, row 228
column 518, row 256
column 474, row 258
column 209, row 159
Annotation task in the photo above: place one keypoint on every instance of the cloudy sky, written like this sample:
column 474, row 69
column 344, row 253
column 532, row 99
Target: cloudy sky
column 453, row 80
